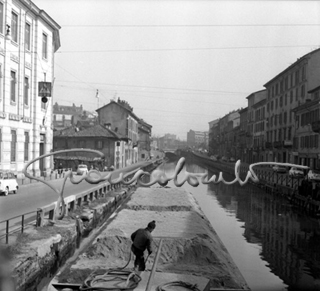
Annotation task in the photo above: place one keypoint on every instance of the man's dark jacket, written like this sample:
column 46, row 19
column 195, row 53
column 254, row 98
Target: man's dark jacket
column 142, row 239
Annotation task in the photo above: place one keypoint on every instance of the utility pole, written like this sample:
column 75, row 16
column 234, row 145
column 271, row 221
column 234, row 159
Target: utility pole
column 97, row 96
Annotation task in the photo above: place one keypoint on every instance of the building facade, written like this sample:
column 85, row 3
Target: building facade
column 286, row 91
column 253, row 99
column 213, row 136
column 62, row 115
column 197, row 138
column 307, row 128
column 144, row 143
column 226, row 126
column 243, row 137
column 29, row 37
column 259, row 131
column 120, row 118
column 98, row 138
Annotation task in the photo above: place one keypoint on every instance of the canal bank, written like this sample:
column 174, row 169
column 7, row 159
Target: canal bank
column 289, row 187
column 191, row 249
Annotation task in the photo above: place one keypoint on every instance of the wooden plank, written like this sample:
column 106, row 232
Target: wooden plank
column 154, row 267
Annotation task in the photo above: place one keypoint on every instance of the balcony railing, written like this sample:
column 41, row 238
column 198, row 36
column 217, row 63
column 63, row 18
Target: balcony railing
column 277, row 144
column 268, row 145
column 287, row 143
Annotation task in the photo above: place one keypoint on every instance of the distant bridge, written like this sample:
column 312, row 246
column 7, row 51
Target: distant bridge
column 169, row 150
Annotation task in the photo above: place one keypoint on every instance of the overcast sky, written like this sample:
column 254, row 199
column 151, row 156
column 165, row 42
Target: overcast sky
column 180, row 64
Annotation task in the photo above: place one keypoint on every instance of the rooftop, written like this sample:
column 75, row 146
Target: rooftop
column 93, row 131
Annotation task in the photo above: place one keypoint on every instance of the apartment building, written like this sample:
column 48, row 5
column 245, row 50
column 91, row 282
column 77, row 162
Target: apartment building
column 259, row 131
column 213, row 136
column 253, row 99
column 243, row 134
column 119, row 117
column 62, row 115
column 286, row 91
column 307, row 129
column 29, row 37
column 197, row 138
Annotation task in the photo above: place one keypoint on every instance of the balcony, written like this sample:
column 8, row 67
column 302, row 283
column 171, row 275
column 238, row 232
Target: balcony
column 316, row 126
column 277, row 144
column 268, row 145
column 287, row 143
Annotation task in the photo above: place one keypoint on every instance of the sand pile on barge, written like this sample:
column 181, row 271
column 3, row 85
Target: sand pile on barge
column 190, row 245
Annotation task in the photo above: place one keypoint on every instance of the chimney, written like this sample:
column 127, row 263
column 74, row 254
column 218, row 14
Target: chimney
column 107, row 125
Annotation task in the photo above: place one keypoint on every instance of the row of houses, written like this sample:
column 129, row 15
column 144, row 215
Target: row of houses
column 119, row 133
column 280, row 123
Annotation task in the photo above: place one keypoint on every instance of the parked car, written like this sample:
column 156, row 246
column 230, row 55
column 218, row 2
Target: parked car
column 279, row 169
column 82, row 169
column 296, row 172
column 8, row 183
column 314, row 175
column 232, row 160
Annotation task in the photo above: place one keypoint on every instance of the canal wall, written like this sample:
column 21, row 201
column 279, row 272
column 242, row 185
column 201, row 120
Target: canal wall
column 39, row 252
column 191, row 249
column 270, row 181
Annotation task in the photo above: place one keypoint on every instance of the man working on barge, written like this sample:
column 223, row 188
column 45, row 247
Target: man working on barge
column 142, row 240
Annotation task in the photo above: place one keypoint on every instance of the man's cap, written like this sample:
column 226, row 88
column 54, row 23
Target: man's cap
column 152, row 224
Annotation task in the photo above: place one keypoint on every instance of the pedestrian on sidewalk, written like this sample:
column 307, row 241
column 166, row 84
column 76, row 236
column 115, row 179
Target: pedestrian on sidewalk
column 142, row 240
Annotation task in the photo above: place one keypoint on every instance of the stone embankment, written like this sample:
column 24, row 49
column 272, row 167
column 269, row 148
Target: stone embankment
column 39, row 252
column 191, row 249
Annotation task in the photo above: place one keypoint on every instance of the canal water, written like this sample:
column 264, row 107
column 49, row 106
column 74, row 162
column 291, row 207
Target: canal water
column 275, row 246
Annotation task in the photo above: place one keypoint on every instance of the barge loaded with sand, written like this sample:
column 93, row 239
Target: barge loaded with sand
column 188, row 251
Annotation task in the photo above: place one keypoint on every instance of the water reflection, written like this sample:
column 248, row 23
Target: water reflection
column 289, row 241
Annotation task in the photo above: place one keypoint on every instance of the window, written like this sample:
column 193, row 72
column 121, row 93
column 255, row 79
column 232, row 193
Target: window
column 44, row 46
column 289, row 133
column 280, row 118
column 1, row 17
column 26, row 146
column 297, row 77
column 286, row 82
column 281, row 101
column 297, row 93
column 303, row 73
column 302, row 91
column 285, row 118
column 291, row 80
column 27, row 36
column 26, row 91
column 291, row 96
column 277, row 88
column 276, row 105
column 99, row 144
column 14, row 27
column 13, row 86
column 13, row 145
column 271, row 105
column 285, row 99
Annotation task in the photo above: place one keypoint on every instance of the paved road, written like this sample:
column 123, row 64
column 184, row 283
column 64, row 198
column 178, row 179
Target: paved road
column 30, row 197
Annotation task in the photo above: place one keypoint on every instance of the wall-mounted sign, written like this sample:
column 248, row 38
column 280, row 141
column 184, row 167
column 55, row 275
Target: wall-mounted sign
column 44, row 89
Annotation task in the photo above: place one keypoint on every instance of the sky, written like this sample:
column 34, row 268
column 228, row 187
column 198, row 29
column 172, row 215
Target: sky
column 179, row 64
